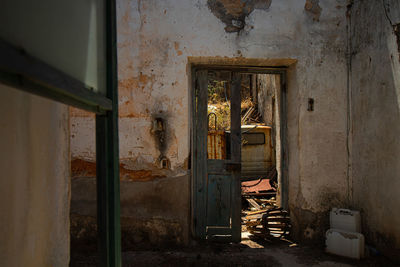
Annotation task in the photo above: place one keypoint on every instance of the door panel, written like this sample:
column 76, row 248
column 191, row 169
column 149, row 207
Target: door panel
column 217, row 170
column 219, row 206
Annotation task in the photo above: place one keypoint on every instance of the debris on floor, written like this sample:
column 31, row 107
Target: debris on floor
column 272, row 222
column 261, row 216
column 276, row 252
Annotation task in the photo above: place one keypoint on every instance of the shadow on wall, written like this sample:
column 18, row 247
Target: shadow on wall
column 375, row 121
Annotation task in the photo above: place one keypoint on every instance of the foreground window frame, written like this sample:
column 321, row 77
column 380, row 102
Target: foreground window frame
column 22, row 71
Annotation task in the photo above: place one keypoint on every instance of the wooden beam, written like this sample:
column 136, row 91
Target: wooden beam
column 241, row 69
column 193, row 147
column 236, row 137
column 20, row 70
column 200, row 154
column 284, row 144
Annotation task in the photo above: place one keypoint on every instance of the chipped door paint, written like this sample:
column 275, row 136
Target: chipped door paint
column 218, row 200
column 217, row 181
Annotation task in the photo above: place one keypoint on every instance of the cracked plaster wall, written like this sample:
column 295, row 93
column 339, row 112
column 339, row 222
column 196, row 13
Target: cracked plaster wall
column 375, row 110
column 157, row 41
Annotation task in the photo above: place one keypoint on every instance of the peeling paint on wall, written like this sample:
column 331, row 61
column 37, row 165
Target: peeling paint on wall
column 313, row 9
column 157, row 43
column 234, row 13
column 129, row 170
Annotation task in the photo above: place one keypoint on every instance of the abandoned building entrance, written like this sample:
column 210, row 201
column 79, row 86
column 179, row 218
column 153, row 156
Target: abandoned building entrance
column 237, row 149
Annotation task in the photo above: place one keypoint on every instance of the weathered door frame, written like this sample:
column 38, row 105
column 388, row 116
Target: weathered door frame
column 198, row 194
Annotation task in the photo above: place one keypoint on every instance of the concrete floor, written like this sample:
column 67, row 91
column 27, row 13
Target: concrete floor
column 250, row 252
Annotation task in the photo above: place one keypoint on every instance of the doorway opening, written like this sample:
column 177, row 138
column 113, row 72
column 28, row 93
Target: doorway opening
column 238, row 139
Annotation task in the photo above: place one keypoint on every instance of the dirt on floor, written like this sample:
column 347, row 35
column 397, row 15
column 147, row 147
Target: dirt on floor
column 250, row 252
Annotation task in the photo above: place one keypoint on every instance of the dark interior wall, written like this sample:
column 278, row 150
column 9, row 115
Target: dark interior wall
column 375, row 116
column 34, row 180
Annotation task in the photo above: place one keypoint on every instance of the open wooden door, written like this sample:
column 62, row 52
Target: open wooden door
column 217, row 196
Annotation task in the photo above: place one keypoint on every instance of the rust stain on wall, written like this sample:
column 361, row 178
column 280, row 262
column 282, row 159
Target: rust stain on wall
column 83, row 168
column 127, row 88
column 137, row 175
column 312, row 7
column 178, row 51
column 136, row 82
column 176, row 46
column 76, row 112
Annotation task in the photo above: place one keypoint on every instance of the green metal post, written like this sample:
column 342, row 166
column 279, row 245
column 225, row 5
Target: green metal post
column 107, row 151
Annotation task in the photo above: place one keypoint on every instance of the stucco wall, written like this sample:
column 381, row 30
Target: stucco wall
column 375, row 95
column 157, row 41
column 153, row 212
column 34, row 180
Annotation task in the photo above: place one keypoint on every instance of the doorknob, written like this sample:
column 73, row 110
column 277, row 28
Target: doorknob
column 233, row 166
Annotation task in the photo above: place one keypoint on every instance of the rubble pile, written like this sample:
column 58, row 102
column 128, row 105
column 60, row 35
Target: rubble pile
column 261, row 216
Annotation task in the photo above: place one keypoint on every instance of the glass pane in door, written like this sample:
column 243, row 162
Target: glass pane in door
column 218, row 115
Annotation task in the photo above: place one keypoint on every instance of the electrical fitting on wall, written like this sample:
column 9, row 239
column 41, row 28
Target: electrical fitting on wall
column 164, row 162
column 310, row 104
column 159, row 131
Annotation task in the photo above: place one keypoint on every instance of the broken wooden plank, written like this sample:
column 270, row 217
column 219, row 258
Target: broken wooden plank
column 260, row 194
column 253, row 223
column 281, row 219
column 257, row 212
column 253, row 203
column 254, row 217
